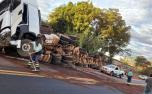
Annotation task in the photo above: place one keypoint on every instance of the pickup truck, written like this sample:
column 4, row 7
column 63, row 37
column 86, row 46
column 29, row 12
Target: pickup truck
column 113, row 70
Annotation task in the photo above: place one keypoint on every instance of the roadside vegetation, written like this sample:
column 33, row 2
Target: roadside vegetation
column 140, row 64
column 97, row 30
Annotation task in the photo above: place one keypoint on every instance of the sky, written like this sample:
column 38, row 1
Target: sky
column 136, row 13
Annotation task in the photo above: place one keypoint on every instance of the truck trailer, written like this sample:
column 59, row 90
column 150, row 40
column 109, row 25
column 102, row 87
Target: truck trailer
column 19, row 24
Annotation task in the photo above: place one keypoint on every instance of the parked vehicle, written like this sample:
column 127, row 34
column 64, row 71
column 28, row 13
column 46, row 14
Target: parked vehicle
column 19, row 24
column 113, row 70
column 143, row 77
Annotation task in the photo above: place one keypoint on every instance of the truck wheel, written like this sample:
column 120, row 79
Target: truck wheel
column 26, row 48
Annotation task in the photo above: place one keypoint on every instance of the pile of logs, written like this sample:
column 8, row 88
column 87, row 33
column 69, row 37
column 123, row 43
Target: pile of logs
column 49, row 42
column 84, row 59
column 61, row 49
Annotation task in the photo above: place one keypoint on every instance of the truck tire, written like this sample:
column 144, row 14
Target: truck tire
column 11, row 51
column 26, row 48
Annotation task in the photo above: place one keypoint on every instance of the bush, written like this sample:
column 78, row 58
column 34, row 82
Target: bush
column 146, row 71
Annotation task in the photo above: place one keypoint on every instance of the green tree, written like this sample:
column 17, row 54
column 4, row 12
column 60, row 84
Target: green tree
column 95, row 27
column 147, row 71
column 141, row 61
column 115, row 33
column 74, row 19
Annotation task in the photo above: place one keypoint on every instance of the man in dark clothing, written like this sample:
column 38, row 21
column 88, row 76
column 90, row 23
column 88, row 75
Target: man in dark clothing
column 129, row 76
column 148, row 88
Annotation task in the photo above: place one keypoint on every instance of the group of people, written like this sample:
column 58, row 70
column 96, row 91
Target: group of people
column 148, row 88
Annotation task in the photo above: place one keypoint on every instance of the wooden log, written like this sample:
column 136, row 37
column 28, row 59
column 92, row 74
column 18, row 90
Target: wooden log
column 48, row 47
column 47, row 58
column 56, row 58
column 66, row 40
column 51, row 40
column 47, row 52
column 46, row 29
column 67, row 57
column 67, row 61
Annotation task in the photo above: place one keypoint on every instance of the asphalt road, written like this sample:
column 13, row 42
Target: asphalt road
column 20, row 81
column 10, row 84
column 136, row 82
column 123, row 80
column 6, row 63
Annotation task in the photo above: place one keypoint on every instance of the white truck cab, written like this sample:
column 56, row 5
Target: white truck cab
column 19, row 24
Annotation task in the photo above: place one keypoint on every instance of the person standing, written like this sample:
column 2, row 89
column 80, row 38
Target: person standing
column 129, row 77
column 148, row 88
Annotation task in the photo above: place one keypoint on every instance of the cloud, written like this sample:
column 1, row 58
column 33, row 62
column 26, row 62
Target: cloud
column 137, row 14
column 133, row 11
column 141, row 40
column 44, row 6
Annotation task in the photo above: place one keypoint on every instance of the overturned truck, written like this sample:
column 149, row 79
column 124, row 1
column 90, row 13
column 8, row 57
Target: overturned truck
column 19, row 24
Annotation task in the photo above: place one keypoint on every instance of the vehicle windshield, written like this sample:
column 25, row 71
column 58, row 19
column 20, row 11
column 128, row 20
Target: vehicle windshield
column 111, row 66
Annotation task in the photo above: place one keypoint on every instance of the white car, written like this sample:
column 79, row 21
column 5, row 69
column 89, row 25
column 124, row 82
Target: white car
column 113, row 70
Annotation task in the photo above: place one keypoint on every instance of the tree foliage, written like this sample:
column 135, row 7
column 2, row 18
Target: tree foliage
column 95, row 27
column 73, row 18
column 147, row 71
column 141, row 61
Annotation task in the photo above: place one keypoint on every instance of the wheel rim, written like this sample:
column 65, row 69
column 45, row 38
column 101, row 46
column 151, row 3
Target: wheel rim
column 26, row 47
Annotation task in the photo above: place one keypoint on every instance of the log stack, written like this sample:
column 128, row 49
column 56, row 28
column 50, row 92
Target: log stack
column 49, row 42
column 66, row 40
column 56, row 58
column 46, row 57
column 61, row 49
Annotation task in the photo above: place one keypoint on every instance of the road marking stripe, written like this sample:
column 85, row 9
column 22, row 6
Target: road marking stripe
column 16, row 72
column 19, row 73
column 23, row 75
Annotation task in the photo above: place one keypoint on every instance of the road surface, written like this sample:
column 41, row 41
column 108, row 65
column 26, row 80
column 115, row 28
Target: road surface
column 14, row 81
column 15, row 78
column 123, row 80
column 136, row 81
column 38, row 85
